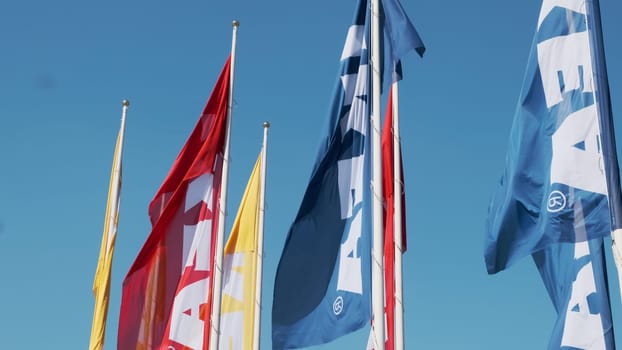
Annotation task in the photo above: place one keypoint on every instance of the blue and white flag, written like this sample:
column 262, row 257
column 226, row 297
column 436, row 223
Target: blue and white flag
column 323, row 285
column 323, row 282
column 575, row 277
column 555, row 159
column 561, row 169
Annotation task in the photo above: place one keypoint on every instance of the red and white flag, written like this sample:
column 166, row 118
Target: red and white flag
column 166, row 300
column 388, row 189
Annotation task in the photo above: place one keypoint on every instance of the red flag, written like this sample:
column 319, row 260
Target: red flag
column 389, row 242
column 388, row 192
column 166, row 299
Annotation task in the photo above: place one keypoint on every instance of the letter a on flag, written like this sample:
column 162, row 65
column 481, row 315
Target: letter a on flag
column 166, row 293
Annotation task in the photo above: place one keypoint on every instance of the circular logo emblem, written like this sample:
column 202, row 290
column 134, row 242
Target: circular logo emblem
column 338, row 305
column 556, row 202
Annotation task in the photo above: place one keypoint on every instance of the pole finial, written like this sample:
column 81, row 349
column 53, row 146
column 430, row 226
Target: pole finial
column 266, row 124
column 126, row 103
column 235, row 23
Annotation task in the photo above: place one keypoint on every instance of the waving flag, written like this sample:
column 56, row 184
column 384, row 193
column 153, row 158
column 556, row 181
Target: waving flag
column 240, row 271
column 101, row 284
column 554, row 161
column 553, row 201
column 322, row 286
column 165, row 302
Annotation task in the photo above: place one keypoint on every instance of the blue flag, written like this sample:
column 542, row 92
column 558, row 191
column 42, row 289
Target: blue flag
column 400, row 36
column 322, row 287
column 561, row 177
column 575, row 277
column 555, row 158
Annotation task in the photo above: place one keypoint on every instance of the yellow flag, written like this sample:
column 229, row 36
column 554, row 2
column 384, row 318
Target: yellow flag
column 240, row 271
column 101, row 284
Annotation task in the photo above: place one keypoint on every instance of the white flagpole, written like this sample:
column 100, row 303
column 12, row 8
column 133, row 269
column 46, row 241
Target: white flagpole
column 115, row 194
column 592, row 10
column 218, row 258
column 397, row 220
column 116, row 191
column 377, row 224
column 116, row 177
column 260, row 227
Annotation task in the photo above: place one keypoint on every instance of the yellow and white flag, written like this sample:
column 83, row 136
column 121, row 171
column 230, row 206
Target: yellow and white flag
column 101, row 284
column 240, row 271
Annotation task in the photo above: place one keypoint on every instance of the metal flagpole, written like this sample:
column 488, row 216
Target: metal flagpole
column 218, row 258
column 260, row 227
column 601, row 89
column 377, row 224
column 397, row 220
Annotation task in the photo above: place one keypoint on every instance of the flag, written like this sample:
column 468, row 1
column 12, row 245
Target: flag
column 576, row 278
column 322, row 285
column 240, row 271
column 553, row 200
column 554, row 161
column 166, row 293
column 388, row 177
column 388, row 189
column 101, row 283
column 400, row 36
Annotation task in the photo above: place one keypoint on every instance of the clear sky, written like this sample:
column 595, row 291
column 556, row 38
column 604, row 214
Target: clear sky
column 66, row 65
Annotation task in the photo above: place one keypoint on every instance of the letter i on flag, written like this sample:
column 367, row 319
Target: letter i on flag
column 241, row 301
column 556, row 201
column 101, row 284
column 166, row 293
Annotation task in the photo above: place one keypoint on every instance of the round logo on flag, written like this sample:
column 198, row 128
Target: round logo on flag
column 556, row 202
column 338, row 305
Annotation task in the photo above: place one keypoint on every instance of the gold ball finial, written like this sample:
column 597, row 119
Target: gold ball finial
column 126, row 103
column 266, row 124
column 236, row 23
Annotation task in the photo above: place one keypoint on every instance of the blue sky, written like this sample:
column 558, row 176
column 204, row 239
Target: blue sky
column 66, row 65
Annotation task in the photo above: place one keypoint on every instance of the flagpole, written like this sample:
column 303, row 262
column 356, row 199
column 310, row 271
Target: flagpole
column 98, row 328
column 397, row 219
column 603, row 104
column 260, row 230
column 218, row 258
column 377, row 224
